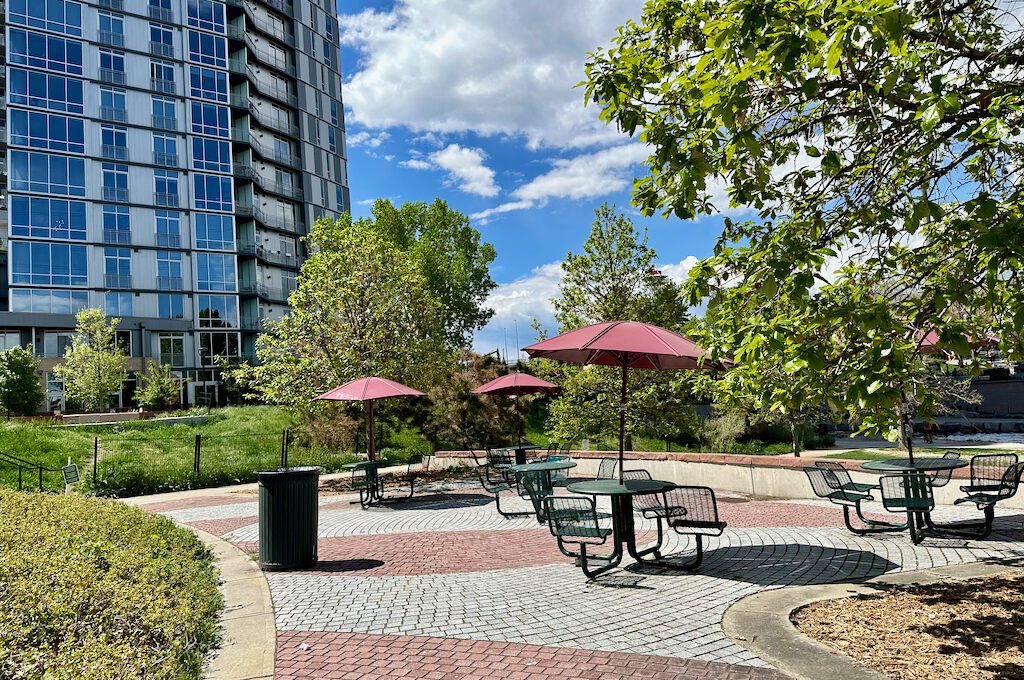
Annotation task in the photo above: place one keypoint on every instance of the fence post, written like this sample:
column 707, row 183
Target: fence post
column 95, row 456
column 198, row 447
column 284, row 448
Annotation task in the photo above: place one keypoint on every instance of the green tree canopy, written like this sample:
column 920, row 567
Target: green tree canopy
column 877, row 142
column 20, row 391
column 95, row 366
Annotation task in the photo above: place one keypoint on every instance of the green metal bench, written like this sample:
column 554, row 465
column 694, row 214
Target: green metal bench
column 558, row 477
column 574, row 520
column 987, row 472
column 986, row 501
column 826, row 484
column 496, row 487
column 842, row 477
column 910, row 493
column 606, row 468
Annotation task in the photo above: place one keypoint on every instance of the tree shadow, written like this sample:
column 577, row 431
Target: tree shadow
column 779, row 564
column 435, row 501
column 341, row 566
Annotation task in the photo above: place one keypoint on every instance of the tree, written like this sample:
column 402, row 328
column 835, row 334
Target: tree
column 94, row 365
column 613, row 278
column 158, row 389
column 20, row 391
column 362, row 308
column 448, row 253
column 878, row 144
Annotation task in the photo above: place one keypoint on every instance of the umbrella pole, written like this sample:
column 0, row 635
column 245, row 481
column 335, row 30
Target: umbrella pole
column 622, row 421
column 519, row 421
column 370, row 443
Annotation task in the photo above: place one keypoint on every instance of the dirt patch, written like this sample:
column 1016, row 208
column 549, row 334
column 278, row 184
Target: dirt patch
column 968, row 630
column 394, row 481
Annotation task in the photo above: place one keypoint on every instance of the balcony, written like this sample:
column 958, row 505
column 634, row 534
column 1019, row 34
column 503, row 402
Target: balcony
column 274, row 61
column 279, row 222
column 265, row 292
column 169, row 160
column 168, row 240
column 114, row 152
column 117, row 194
column 164, row 122
column 165, row 199
column 110, row 38
column 170, row 283
column 281, row 259
column 251, row 323
column 272, row 154
column 281, row 95
column 281, row 6
column 274, row 123
column 164, row 14
column 118, row 237
column 117, row 281
column 162, row 85
column 112, row 76
column 243, row 171
column 159, row 49
column 112, row 113
column 270, row 30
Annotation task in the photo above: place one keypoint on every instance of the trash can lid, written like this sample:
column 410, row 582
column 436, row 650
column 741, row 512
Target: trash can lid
column 290, row 472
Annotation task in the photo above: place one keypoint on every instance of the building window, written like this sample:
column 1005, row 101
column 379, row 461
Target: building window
column 207, row 15
column 45, row 51
column 113, row 104
column 215, row 232
column 39, row 263
column 117, row 224
column 115, row 182
column 112, row 67
column 289, row 284
column 205, row 83
column 217, row 345
column 45, row 91
column 215, row 272
column 47, row 218
column 168, row 271
column 115, row 142
column 161, row 76
column 161, row 40
column 161, row 10
column 212, row 192
column 111, row 29
column 334, row 112
column 332, row 140
column 45, row 174
column 329, row 27
column 117, row 304
column 328, row 52
column 210, row 119
column 211, row 154
column 171, row 306
column 165, row 116
column 49, row 301
column 47, row 131
column 218, row 311
column 172, row 349
column 339, row 202
column 168, row 229
column 117, row 267
column 56, row 16
column 165, row 149
column 204, row 48
column 166, row 187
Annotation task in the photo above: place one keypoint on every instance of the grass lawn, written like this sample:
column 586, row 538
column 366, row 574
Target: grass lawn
column 969, row 630
column 96, row 589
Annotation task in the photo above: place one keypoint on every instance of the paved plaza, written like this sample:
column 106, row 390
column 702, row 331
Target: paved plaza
column 441, row 586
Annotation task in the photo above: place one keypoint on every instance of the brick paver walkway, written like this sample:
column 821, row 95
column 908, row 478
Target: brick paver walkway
column 443, row 587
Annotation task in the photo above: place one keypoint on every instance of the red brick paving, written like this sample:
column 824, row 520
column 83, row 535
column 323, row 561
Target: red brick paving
column 196, row 502
column 221, row 527
column 772, row 514
column 344, row 656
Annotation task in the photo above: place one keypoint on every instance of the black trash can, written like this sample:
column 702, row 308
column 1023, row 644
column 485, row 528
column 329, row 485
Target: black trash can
column 288, row 517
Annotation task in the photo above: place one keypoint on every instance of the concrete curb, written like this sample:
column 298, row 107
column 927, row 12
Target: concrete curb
column 762, row 622
column 248, row 631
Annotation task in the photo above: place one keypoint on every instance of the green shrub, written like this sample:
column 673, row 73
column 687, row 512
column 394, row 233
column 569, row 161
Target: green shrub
column 96, row 589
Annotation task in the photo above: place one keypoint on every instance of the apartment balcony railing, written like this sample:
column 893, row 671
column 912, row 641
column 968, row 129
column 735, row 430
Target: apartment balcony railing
column 271, row 30
column 240, row 100
column 244, row 171
column 114, row 152
column 117, row 281
column 269, row 153
column 159, row 49
column 120, row 237
column 281, row 6
column 115, row 194
column 165, row 122
column 166, row 159
column 168, row 240
column 162, row 85
column 274, row 61
column 112, row 4
column 258, row 251
column 112, row 113
column 163, row 14
column 266, row 292
column 170, row 283
column 280, row 94
column 165, row 199
column 172, row 360
column 110, row 38
column 274, row 123
column 279, row 222
column 112, row 76
column 250, row 323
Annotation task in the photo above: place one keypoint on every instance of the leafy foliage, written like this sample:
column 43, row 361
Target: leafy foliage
column 879, row 144
column 98, row 589
column 158, row 389
column 20, row 391
column 94, row 365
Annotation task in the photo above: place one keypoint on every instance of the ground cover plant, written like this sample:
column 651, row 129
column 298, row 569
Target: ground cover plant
column 96, row 589
column 968, row 630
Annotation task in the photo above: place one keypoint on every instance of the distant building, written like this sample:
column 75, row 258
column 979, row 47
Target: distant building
column 162, row 159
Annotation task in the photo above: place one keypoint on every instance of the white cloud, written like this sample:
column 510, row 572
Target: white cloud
column 516, row 305
column 679, row 271
column 370, row 140
column 416, row 164
column 466, row 169
column 490, row 66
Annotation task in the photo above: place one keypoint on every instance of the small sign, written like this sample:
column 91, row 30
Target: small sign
column 70, row 473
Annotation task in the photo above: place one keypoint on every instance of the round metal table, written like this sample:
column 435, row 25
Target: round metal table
column 547, row 468
column 521, row 451
column 918, row 464
column 373, row 489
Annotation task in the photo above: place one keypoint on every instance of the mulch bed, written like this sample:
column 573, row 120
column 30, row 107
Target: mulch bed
column 968, row 630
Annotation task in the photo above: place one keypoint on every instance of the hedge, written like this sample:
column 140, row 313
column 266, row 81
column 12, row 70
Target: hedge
column 93, row 588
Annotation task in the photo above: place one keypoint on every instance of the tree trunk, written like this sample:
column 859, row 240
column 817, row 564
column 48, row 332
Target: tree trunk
column 794, row 430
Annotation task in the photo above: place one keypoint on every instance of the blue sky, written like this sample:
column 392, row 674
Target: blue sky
column 474, row 102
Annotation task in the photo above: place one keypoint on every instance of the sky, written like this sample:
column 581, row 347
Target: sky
column 476, row 103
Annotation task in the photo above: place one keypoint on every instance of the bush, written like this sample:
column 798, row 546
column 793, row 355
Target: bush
column 20, row 391
column 97, row 589
column 158, row 389
column 723, row 431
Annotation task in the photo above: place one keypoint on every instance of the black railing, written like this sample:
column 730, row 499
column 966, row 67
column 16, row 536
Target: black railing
column 28, row 472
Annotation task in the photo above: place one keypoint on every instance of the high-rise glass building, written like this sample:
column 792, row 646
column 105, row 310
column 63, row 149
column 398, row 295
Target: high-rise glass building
column 163, row 159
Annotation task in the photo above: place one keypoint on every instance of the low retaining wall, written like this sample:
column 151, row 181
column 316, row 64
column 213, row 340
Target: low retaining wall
column 759, row 476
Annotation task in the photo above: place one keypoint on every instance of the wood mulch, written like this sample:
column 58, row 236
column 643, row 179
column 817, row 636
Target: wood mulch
column 965, row 630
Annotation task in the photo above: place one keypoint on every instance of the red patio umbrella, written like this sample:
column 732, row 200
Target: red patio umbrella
column 629, row 344
column 515, row 384
column 368, row 390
